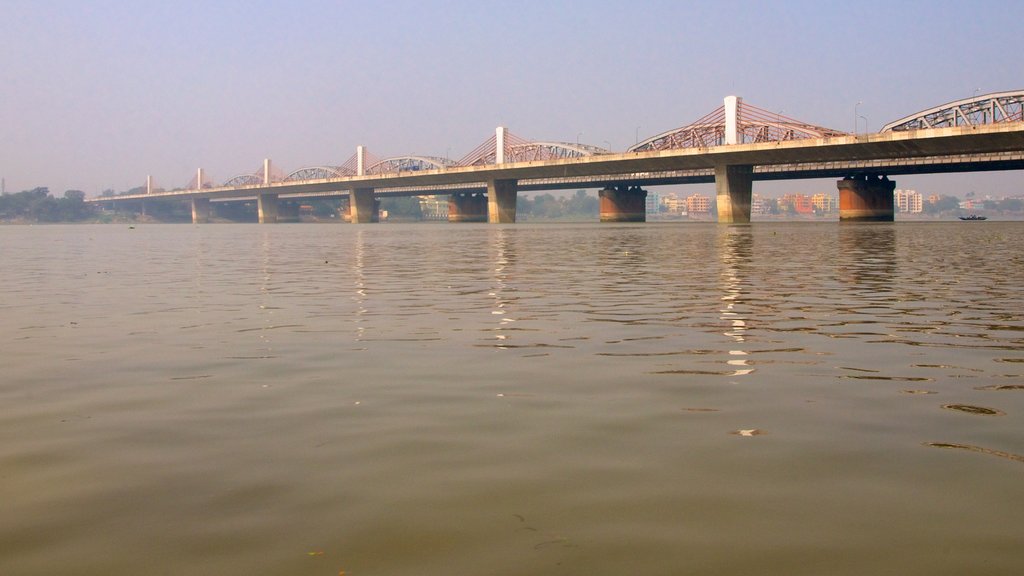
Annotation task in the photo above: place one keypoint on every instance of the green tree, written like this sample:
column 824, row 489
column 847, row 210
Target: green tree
column 402, row 207
column 943, row 204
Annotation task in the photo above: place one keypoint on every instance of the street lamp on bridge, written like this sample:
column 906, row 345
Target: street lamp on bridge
column 855, row 116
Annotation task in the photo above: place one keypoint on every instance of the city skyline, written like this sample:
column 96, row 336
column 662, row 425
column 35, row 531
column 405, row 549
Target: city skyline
column 99, row 97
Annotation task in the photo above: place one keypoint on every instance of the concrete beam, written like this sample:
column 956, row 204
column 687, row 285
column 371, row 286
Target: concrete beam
column 365, row 209
column 734, row 192
column 501, row 201
column 266, row 205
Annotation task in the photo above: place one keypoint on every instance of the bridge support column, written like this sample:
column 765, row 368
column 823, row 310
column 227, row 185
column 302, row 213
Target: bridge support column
column 467, row 207
column 734, row 191
column 200, row 210
column 622, row 204
column 364, row 208
column 866, row 199
column 266, row 206
column 501, row 201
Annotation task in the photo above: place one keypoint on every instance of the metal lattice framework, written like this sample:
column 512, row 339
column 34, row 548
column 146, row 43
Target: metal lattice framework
column 487, row 152
column 245, row 180
column 409, row 164
column 532, row 151
column 318, row 173
column 980, row 110
column 753, row 125
column 518, row 149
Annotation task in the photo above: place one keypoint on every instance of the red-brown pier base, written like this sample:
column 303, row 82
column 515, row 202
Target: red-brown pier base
column 866, row 198
column 467, row 207
column 622, row 204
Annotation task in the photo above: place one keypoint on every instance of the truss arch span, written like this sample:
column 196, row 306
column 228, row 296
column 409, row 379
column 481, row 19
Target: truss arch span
column 995, row 108
column 245, row 180
column 409, row 164
column 752, row 125
column 531, row 151
column 318, row 173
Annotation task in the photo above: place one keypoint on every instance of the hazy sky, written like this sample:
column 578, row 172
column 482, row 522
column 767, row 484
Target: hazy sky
column 98, row 94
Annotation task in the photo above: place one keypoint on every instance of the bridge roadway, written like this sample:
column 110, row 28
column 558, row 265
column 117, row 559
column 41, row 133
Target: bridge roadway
column 863, row 161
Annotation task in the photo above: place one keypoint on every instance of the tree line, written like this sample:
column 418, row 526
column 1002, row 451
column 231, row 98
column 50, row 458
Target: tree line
column 38, row 205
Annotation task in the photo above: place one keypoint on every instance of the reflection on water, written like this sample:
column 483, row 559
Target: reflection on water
column 736, row 252
column 397, row 399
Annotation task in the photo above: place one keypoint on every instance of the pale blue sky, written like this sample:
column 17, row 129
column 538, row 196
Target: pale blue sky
column 97, row 95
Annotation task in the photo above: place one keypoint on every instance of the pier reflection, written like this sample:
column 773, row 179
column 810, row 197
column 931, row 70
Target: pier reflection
column 735, row 245
column 867, row 254
column 503, row 256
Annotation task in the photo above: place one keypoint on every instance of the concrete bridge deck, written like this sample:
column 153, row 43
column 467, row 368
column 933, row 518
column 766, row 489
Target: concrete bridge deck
column 733, row 168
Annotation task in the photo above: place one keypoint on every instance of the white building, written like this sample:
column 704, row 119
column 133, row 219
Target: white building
column 909, row 201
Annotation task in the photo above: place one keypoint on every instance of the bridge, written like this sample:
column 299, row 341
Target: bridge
column 732, row 146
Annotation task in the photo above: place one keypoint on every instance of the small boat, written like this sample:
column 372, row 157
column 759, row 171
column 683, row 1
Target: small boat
column 974, row 217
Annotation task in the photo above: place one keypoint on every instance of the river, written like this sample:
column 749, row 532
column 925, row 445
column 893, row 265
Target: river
column 398, row 399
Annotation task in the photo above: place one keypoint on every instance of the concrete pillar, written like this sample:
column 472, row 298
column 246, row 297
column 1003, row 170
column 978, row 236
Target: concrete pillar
column 467, row 207
column 622, row 204
column 200, row 210
column 501, row 201
column 199, row 179
column 266, row 171
column 499, row 145
column 363, row 207
column 866, row 199
column 732, row 119
column 734, row 191
column 360, row 161
column 149, row 184
column 266, row 205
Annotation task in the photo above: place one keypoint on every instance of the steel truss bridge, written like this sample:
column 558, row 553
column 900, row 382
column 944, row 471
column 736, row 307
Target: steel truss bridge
column 981, row 133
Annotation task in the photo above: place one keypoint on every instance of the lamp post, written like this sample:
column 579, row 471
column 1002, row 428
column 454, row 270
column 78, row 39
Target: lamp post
column 578, row 138
column 855, row 116
column 865, row 119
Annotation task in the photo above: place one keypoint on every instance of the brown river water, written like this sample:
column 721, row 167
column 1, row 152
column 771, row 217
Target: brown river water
column 777, row 398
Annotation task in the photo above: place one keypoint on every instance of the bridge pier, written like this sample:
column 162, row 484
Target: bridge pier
column 364, row 208
column 266, row 206
column 467, row 207
column 734, row 192
column 622, row 204
column 866, row 199
column 201, row 210
column 501, row 201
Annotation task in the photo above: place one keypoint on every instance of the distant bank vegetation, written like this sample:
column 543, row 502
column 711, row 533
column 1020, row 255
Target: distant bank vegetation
column 37, row 205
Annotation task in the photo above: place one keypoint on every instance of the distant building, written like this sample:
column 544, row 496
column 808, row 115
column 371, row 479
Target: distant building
column 698, row 204
column 652, row 203
column 801, row 203
column 824, row 203
column 433, row 207
column 672, row 204
column 757, row 205
column 909, row 201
